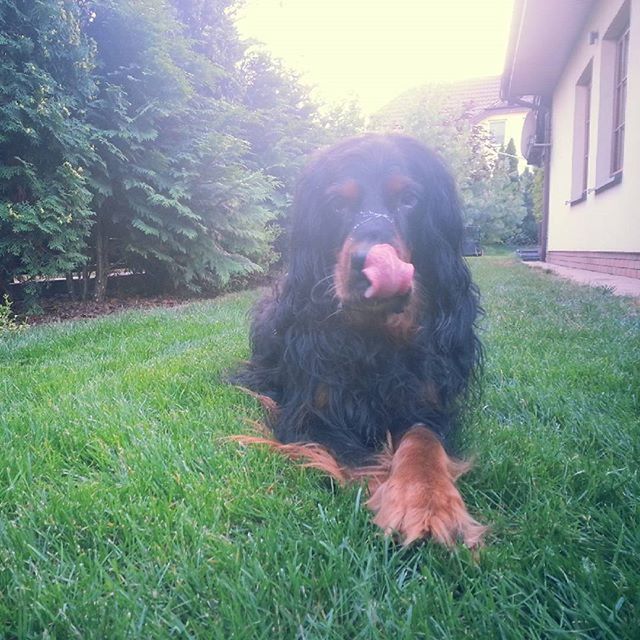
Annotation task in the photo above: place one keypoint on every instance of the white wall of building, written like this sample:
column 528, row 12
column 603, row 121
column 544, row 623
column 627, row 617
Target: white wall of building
column 609, row 220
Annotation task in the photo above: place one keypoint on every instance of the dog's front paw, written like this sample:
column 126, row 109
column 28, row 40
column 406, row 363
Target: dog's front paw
column 414, row 509
column 419, row 497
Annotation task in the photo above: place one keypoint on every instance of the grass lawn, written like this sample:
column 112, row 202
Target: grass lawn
column 124, row 513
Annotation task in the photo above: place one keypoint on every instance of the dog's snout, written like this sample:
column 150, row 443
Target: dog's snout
column 374, row 227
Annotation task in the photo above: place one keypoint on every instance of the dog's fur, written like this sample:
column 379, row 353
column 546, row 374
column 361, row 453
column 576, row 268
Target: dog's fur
column 351, row 376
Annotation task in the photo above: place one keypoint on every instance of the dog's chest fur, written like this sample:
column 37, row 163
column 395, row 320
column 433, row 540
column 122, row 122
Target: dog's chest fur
column 361, row 384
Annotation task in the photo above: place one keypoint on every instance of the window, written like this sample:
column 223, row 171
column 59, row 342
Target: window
column 497, row 129
column 586, row 125
column 619, row 102
column 612, row 97
column 581, row 135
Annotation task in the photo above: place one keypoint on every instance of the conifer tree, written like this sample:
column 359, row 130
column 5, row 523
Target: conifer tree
column 175, row 196
column 45, row 143
column 141, row 135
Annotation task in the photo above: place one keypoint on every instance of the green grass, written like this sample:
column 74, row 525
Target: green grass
column 124, row 513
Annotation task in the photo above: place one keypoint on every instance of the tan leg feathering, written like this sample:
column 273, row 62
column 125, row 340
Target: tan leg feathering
column 419, row 498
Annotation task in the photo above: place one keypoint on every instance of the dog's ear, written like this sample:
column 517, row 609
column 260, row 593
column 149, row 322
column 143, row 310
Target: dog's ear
column 314, row 238
column 435, row 227
column 435, row 233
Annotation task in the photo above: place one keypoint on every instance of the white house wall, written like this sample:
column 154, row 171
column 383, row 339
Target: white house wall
column 610, row 220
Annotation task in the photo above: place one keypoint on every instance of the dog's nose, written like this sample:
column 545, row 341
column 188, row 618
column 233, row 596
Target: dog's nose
column 358, row 259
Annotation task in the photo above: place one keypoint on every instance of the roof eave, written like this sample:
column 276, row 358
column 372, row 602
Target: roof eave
column 538, row 47
column 514, row 33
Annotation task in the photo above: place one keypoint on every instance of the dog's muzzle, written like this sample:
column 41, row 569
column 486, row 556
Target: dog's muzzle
column 376, row 261
column 389, row 276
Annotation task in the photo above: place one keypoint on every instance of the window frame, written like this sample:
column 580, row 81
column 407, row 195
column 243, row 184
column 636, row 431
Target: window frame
column 582, row 135
column 621, row 74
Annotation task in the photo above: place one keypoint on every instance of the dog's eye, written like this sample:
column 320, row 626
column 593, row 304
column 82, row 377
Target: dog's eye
column 408, row 199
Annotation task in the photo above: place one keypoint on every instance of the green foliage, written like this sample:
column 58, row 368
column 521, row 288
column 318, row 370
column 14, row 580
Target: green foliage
column 537, row 194
column 487, row 179
column 285, row 124
column 528, row 231
column 280, row 124
column 491, row 194
column 174, row 191
column 342, row 120
column 512, row 159
column 8, row 320
column 142, row 135
column 45, row 144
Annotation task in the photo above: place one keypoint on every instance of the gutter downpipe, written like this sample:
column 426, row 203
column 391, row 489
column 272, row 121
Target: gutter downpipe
column 546, row 167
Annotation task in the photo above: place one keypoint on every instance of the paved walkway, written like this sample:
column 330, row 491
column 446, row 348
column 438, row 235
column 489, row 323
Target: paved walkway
column 619, row 285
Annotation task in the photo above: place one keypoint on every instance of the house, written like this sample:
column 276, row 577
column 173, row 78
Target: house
column 477, row 98
column 577, row 62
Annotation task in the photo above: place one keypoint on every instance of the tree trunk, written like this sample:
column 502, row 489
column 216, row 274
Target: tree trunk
column 71, row 289
column 102, row 263
column 85, row 283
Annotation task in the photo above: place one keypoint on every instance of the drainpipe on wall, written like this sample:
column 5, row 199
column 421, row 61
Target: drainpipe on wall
column 544, row 112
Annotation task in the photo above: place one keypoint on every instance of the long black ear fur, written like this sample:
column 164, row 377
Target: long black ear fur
column 436, row 236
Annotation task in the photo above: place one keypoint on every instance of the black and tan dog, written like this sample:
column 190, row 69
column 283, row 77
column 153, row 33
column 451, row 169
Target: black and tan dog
column 365, row 350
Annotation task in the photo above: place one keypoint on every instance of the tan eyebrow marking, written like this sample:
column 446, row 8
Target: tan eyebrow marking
column 349, row 190
column 397, row 183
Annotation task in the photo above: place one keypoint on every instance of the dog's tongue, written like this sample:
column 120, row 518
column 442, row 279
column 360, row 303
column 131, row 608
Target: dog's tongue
column 388, row 275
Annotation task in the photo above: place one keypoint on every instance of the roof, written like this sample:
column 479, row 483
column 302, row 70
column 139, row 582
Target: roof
column 475, row 94
column 542, row 36
column 473, row 97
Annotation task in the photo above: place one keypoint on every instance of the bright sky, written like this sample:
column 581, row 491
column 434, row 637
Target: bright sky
column 376, row 49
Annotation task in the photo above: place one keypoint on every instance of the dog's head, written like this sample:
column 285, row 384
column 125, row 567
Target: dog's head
column 376, row 218
column 373, row 265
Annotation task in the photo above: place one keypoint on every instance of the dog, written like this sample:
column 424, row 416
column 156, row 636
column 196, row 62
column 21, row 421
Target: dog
column 365, row 351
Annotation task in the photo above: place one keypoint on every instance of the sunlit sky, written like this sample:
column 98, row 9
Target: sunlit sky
column 374, row 50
